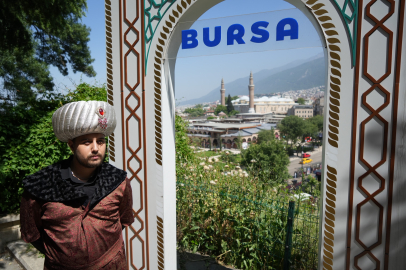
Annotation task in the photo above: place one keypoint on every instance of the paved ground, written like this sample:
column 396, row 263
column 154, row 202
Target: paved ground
column 294, row 165
column 8, row 263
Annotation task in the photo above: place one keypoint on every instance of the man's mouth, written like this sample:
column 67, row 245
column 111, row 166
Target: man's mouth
column 94, row 157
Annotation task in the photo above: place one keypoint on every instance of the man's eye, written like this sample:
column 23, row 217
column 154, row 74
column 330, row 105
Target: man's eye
column 101, row 142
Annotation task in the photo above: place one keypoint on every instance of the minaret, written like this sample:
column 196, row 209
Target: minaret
column 251, row 87
column 223, row 93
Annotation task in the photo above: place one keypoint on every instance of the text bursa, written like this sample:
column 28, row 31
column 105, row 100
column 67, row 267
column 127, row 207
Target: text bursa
column 236, row 32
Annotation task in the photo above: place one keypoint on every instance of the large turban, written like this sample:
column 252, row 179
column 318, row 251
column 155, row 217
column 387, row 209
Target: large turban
column 83, row 117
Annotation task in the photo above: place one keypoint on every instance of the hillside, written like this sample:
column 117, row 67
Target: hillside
column 303, row 76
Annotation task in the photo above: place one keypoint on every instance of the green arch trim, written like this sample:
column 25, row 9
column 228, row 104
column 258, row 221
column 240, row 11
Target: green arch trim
column 151, row 19
column 348, row 19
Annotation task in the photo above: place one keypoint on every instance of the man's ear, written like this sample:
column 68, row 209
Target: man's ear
column 71, row 145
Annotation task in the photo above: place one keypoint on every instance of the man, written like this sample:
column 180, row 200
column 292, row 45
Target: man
column 74, row 211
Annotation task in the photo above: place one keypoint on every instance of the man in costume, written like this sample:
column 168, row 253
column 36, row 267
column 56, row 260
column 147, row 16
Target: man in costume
column 74, row 211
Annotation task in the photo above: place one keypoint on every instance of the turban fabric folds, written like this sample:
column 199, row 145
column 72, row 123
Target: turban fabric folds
column 83, row 117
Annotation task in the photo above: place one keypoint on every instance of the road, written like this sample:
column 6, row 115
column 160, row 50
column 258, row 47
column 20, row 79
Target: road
column 294, row 165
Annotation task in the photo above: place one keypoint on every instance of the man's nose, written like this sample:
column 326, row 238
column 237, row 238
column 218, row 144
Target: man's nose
column 95, row 146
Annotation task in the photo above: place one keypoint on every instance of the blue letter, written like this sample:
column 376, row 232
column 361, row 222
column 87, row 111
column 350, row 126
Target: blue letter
column 217, row 36
column 293, row 32
column 262, row 32
column 189, row 40
column 238, row 36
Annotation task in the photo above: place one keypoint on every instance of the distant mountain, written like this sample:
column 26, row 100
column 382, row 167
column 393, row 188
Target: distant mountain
column 302, row 74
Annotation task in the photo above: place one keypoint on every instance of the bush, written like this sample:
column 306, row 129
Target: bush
column 228, row 157
column 184, row 153
column 267, row 161
column 27, row 141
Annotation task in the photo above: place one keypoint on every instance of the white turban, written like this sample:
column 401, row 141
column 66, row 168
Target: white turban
column 83, row 117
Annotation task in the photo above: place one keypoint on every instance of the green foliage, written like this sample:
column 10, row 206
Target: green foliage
column 310, row 129
column 317, row 121
column 27, row 141
column 36, row 34
column 230, row 106
column 266, row 135
column 312, row 186
column 233, row 112
column 242, row 222
column 268, row 161
column 220, row 108
column 234, row 97
column 301, row 101
column 228, row 157
column 196, row 111
column 184, row 153
column 225, row 212
column 291, row 128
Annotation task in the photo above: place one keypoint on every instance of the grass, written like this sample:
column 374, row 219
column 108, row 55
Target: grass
column 209, row 153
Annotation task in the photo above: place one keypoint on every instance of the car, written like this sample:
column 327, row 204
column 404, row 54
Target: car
column 306, row 160
column 306, row 155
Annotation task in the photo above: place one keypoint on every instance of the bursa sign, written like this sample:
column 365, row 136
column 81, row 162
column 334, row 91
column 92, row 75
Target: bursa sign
column 287, row 28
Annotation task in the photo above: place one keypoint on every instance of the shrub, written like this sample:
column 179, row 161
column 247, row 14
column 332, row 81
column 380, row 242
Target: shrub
column 268, row 161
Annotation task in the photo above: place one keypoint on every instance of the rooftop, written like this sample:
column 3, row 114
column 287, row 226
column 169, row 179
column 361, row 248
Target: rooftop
column 227, row 125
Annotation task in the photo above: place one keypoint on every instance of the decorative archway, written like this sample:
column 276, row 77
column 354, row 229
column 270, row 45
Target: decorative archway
column 366, row 71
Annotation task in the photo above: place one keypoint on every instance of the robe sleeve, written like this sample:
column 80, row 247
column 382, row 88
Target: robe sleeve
column 126, row 205
column 30, row 218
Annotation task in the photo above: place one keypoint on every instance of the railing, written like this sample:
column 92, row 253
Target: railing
column 249, row 230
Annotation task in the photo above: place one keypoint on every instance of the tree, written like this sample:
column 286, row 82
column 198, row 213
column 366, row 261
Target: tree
column 292, row 127
column 266, row 135
column 36, row 34
column 194, row 112
column 233, row 112
column 220, row 108
column 268, row 161
column 230, row 106
column 301, row 101
column 234, row 98
column 318, row 121
column 184, row 153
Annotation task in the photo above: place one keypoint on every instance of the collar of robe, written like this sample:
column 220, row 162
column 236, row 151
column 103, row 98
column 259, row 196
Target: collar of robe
column 49, row 186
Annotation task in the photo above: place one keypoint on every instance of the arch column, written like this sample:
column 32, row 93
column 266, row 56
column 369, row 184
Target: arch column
column 364, row 124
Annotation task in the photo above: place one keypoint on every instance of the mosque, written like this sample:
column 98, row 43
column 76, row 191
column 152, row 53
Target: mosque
column 264, row 105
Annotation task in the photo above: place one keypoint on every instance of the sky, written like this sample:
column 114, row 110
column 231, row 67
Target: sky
column 200, row 70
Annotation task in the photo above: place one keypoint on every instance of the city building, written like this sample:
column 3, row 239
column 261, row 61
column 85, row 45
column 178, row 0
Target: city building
column 227, row 134
column 303, row 111
column 319, row 106
column 262, row 105
column 209, row 113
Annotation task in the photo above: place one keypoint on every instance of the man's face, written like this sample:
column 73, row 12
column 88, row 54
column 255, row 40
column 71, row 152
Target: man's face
column 89, row 150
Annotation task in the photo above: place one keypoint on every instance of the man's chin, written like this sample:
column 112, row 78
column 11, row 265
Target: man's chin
column 94, row 163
